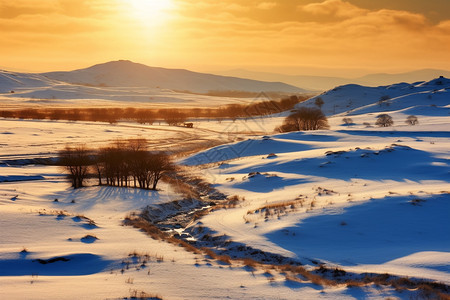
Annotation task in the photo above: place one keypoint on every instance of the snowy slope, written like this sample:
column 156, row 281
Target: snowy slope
column 363, row 198
column 363, row 202
column 9, row 81
column 355, row 99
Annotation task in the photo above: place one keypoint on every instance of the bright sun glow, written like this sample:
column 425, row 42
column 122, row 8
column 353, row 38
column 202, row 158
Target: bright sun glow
column 151, row 12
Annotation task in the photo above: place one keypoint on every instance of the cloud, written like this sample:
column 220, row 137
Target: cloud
column 337, row 8
column 267, row 5
column 229, row 32
column 350, row 37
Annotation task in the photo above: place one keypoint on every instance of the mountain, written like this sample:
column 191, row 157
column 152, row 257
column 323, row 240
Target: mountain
column 124, row 73
column 323, row 83
column 315, row 83
column 385, row 78
column 417, row 97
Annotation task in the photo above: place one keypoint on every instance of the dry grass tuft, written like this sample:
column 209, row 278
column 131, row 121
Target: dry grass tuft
column 250, row 262
column 59, row 213
column 226, row 259
column 276, row 209
column 135, row 294
column 153, row 231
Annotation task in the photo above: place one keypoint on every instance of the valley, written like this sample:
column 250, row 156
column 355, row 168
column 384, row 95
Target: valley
column 357, row 200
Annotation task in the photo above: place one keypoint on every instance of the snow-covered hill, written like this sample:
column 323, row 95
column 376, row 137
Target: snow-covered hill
column 9, row 81
column 418, row 97
column 128, row 74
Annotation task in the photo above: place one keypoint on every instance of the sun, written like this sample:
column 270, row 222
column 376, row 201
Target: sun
column 151, row 12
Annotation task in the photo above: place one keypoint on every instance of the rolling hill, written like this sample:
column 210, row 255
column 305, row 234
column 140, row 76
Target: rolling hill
column 9, row 81
column 124, row 73
column 356, row 99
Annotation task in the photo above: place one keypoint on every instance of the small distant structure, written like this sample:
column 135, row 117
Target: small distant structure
column 189, row 125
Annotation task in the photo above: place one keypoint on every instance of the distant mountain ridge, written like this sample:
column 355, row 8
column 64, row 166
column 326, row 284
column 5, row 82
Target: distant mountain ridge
column 323, row 83
column 125, row 73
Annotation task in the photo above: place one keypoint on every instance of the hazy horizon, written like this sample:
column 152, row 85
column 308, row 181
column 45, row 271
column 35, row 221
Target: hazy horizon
column 286, row 71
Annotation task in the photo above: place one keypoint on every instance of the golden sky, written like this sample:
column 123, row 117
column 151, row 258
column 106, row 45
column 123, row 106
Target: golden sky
column 291, row 36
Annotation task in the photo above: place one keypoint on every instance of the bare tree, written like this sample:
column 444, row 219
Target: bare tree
column 76, row 160
column 159, row 164
column 383, row 99
column 412, row 120
column 384, row 120
column 306, row 118
column 347, row 121
column 319, row 102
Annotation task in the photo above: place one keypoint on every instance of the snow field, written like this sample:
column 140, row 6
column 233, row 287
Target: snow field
column 358, row 197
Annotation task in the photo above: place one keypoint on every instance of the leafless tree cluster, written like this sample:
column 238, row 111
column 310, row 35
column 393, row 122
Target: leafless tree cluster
column 149, row 116
column 125, row 163
column 173, row 117
column 306, row 118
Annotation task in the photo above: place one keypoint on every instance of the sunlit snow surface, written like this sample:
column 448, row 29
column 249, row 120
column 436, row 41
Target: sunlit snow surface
column 380, row 204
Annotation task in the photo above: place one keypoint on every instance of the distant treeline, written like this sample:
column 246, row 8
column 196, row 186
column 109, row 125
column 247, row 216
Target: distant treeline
column 149, row 116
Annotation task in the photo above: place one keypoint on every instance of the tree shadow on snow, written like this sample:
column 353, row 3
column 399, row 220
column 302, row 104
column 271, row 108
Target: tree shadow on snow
column 88, row 197
column 398, row 133
column 266, row 184
column 250, row 147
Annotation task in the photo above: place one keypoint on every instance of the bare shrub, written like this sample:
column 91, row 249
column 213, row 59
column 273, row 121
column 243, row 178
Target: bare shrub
column 136, row 294
column 347, row 121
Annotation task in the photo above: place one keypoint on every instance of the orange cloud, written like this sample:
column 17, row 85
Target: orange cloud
column 266, row 5
column 337, row 8
column 332, row 33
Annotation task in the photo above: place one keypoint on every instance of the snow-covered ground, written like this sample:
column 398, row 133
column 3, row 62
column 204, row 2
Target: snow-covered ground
column 363, row 198
column 65, row 95
column 374, row 201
